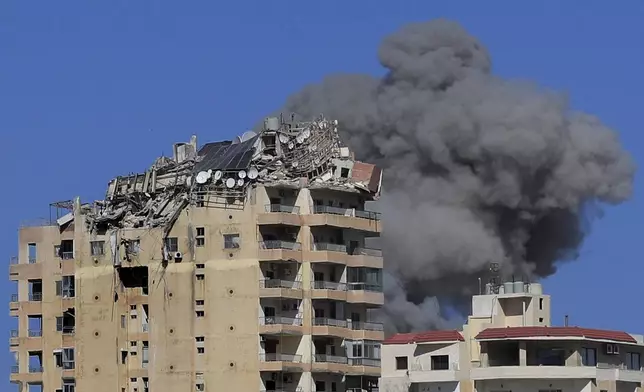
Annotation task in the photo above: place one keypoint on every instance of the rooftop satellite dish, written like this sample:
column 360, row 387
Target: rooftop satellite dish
column 253, row 173
column 209, row 172
column 313, row 147
column 202, row 177
column 230, row 182
column 247, row 135
column 291, row 145
column 306, row 133
column 242, row 174
column 240, row 182
column 295, row 163
column 283, row 138
column 218, row 175
column 335, row 122
column 299, row 139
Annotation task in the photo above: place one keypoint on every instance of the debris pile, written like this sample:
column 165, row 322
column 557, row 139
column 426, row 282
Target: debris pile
column 286, row 153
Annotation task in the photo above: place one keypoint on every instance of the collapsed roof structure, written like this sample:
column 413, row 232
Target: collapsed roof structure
column 286, row 153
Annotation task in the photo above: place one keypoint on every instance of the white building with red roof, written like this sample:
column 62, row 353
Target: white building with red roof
column 509, row 345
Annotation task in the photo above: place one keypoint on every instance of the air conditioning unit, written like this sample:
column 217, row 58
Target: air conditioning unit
column 612, row 349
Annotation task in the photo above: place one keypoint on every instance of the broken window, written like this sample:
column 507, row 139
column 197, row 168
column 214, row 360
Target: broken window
column 344, row 172
column 68, row 359
column 231, row 241
column 132, row 277
column 65, row 250
column 66, row 288
column 133, row 247
column 35, row 290
column 67, row 322
column 201, row 236
column 97, row 248
column 172, row 244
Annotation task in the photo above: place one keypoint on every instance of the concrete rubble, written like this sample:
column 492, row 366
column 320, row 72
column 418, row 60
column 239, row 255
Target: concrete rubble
column 286, row 153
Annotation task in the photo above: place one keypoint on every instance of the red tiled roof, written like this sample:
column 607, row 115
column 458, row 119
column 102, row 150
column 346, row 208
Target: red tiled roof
column 425, row 337
column 554, row 332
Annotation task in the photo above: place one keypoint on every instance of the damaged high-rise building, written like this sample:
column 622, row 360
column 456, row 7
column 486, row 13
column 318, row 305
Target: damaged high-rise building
column 234, row 266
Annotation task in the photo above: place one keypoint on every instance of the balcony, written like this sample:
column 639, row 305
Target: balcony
column 423, row 373
column 329, row 290
column 365, row 366
column 278, row 288
column 366, row 293
column 531, row 372
column 348, row 218
column 35, row 333
column 35, row 297
column 330, row 363
column 361, row 330
column 339, row 253
column 323, row 326
column 279, row 325
column 280, row 250
column 279, row 214
column 276, row 362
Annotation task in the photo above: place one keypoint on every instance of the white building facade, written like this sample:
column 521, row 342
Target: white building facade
column 509, row 345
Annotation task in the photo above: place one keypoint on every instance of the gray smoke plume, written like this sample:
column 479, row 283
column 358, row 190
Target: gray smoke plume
column 477, row 169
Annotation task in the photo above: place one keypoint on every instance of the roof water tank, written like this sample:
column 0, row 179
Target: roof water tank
column 508, row 287
column 536, row 288
column 518, row 287
column 488, row 288
column 271, row 124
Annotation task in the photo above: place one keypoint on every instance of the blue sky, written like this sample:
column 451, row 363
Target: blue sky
column 90, row 90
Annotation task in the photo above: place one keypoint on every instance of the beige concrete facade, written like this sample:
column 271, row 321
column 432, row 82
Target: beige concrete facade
column 508, row 344
column 257, row 295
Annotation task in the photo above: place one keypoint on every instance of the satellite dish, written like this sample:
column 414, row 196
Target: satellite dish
column 247, row 136
column 283, row 138
column 306, row 133
column 209, row 172
column 291, row 145
column 188, row 181
column 230, row 183
column 242, row 174
column 335, row 122
column 202, row 177
column 253, row 173
column 295, row 163
column 313, row 147
column 299, row 139
column 218, row 175
column 240, row 182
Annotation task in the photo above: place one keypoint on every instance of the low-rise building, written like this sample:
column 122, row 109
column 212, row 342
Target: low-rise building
column 509, row 345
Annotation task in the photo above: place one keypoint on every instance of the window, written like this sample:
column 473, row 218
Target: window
column 199, row 302
column 344, row 172
column 440, row 362
column 201, row 276
column 123, row 321
column 172, row 244
column 320, row 386
column 199, row 339
column 144, row 355
column 200, row 313
column 588, row 356
column 132, row 307
column 68, row 359
column 633, row 361
column 145, row 384
column 231, row 241
column 69, row 385
column 334, row 387
column 133, row 247
column 97, row 248
column 200, row 265
column 201, row 236
column 201, row 350
column 401, row 363
column 133, row 343
column 540, row 303
column 32, row 253
column 200, row 386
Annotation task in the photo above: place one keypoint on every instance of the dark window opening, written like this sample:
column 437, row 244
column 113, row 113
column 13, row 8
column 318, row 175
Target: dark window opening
column 65, row 250
column 67, row 322
column 440, row 362
column 172, row 244
column 132, row 277
column 401, row 363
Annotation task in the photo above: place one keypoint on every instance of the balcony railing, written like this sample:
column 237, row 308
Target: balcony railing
column 280, row 284
column 330, row 358
column 365, row 287
column 36, row 297
column 35, row 369
column 14, row 297
column 279, row 244
column 66, row 255
column 364, row 362
column 371, row 215
column 275, row 357
column 321, row 285
column 32, row 260
column 282, row 208
column 35, row 333
column 366, row 326
column 325, row 246
column 280, row 320
column 15, row 370
column 14, row 333
column 366, row 252
column 68, row 330
column 329, row 322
